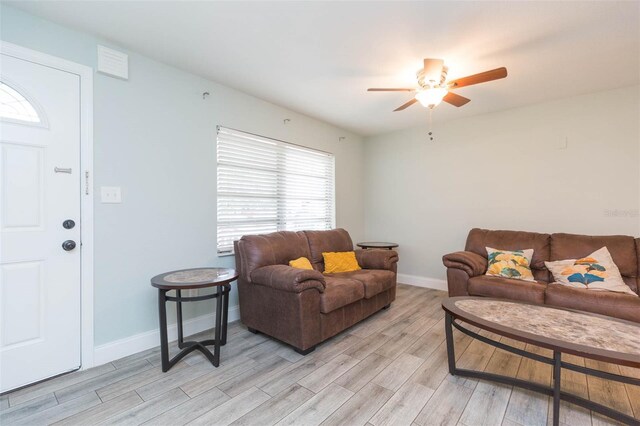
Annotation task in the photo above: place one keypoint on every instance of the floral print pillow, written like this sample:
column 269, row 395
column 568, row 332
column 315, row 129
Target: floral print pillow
column 596, row 271
column 510, row 264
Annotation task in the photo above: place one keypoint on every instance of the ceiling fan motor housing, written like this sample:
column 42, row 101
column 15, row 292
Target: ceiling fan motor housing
column 428, row 79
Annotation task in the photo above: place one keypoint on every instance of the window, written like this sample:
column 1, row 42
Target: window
column 15, row 107
column 266, row 185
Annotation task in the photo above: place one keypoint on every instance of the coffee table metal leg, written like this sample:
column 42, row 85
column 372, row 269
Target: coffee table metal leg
column 225, row 312
column 557, row 370
column 164, row 340
column 218, row 331
column 451, row 355
column 179, row 320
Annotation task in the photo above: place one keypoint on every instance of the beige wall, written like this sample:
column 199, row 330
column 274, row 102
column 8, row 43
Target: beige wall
column 506, row 170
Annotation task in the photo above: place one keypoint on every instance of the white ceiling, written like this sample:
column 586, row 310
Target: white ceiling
column 318, row 58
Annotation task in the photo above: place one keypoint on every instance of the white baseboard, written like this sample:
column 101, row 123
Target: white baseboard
column 150, row 339
column 426, row 282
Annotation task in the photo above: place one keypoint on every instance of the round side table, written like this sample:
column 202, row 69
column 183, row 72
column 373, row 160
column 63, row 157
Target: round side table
column 187, row 279
column 377, row 245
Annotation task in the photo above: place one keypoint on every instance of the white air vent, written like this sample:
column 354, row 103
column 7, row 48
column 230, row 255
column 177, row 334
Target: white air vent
column 112, row 62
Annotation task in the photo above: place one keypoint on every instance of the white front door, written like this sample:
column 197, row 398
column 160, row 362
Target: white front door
column 40, row 322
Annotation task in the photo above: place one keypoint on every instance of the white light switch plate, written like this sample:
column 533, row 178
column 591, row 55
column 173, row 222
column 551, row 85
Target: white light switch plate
column 110, row 194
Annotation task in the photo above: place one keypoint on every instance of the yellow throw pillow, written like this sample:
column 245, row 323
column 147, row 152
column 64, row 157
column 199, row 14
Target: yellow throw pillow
column 510, row 264
column 301, row 263
column 343, row 261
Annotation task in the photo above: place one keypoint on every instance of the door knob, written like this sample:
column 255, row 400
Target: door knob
column 69, row 245
column 68, row 224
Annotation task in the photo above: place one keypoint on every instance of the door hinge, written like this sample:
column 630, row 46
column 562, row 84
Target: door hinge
column 86, row 182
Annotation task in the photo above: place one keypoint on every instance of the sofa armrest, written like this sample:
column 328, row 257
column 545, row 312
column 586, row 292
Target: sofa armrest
column 377, row 259
column 473, row 264
column 286, row 278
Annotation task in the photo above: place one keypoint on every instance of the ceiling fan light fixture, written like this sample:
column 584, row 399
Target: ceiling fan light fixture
column 431, row 92
column 431, row 97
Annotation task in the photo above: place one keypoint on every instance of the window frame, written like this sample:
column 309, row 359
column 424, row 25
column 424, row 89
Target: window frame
column 280, row 217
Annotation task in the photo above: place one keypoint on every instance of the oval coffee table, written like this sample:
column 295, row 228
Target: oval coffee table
column 187, row 279
column 562, row 330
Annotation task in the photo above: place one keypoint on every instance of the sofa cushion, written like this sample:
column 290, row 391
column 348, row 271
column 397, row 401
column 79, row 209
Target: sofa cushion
column 596, row 272
column 277, row 248
column 621, row 247
column 479, row 239
column 326, row 241
column 375, row 281
column 505, row 288
column 619, row 305
column 377, row 259
column 510, row 264
column 636, row 288
column 300, row 263
column 340, row 261
column 339, row 292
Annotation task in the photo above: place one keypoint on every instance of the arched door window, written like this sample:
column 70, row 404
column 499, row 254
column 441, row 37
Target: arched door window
column 16, row 108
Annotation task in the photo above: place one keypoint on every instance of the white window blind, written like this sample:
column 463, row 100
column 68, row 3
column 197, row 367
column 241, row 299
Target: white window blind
column 266, row 185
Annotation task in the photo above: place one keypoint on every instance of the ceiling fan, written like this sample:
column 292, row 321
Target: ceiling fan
column 434, row 87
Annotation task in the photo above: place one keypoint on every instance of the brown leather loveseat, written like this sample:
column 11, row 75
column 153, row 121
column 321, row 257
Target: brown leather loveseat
column 305, row 307
column 466, row 269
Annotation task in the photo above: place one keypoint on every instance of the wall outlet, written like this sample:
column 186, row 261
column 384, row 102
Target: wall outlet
column 563, row 142
column 110, row 194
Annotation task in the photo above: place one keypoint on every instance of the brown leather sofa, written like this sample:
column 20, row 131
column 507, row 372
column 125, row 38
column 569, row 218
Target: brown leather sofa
column 466, row 269
column 305, row 307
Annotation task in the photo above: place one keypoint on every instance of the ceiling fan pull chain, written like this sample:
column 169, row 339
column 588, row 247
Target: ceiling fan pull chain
column 430, row 124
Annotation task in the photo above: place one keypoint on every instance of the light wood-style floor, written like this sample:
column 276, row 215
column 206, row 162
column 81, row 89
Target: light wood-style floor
column 389, row 370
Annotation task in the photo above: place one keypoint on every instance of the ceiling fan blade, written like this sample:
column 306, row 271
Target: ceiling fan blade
column 375, row 89
column 406, row 105
column 432, row 69
column 482, row 77
column 455, row 99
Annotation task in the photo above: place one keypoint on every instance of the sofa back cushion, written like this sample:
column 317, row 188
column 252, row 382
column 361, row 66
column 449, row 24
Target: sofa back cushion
column 622, row 249
column 479, row 239
column 638, row 277
column 327, row 241
column 278, row 248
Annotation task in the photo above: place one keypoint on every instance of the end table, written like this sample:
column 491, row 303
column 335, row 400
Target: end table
column 377, row 245
column 187, row 279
